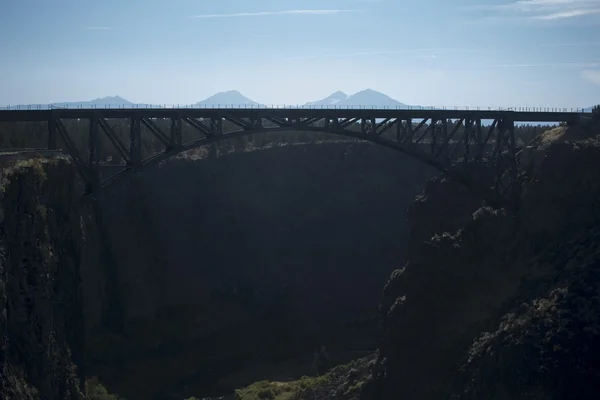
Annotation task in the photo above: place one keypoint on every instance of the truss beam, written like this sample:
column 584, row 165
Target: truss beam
column 458, row 144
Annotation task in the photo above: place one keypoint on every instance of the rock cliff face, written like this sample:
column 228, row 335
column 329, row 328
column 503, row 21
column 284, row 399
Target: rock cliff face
column 501, row 306
column 41, row 321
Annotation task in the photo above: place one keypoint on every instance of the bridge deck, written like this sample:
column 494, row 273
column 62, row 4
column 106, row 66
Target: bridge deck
column 516, row 116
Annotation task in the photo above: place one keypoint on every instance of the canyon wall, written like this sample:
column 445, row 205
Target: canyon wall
column 41, row 313
column 233, row 263
column 496, row 304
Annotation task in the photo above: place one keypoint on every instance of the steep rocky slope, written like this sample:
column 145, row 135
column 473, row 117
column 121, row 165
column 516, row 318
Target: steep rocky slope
column 506, row 306
column 41, row 321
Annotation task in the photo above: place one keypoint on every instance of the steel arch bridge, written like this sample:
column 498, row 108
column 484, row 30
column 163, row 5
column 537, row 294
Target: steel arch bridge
column 455, row 142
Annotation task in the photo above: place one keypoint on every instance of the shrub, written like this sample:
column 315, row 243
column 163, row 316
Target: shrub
column 95, row 391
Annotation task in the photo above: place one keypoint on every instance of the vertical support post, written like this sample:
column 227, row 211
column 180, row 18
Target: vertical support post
column 467, row 139
column 515, row 187
column 444, row 140
column 434, row 134
column 399, row 130
column 176, row 132
column 480, row 146
column 52, row 133
column 93, row 167
column 497, row 158
column 409, row 130
column 135, row 142
column 216, row 126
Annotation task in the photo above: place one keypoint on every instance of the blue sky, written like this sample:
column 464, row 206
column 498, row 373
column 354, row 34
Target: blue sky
column 434, row 52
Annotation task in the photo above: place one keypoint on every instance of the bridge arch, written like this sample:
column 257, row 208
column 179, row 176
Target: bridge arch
column 374, row 136
column 455, row 142
column 195, row 144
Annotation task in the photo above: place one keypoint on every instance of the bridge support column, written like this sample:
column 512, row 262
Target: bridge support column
column 409, row 131
column 479, row 138
column 399, row 130
column 216, row 126
column 442, row 150
column 515, row 185
column 467, row 136
column 52, row 133
column 435, row 131
column 135, row 142
column 93, row 182
column 176, row 132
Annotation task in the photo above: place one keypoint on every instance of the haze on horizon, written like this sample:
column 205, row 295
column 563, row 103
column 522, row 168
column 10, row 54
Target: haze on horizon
column 523, row 53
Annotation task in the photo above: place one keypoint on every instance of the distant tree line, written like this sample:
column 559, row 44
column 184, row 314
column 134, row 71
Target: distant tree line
column 35, row 135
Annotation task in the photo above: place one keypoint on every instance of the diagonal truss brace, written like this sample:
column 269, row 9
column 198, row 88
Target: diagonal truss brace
column 462, row 149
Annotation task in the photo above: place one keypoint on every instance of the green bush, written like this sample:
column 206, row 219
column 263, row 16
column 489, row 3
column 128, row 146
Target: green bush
column 95, row 391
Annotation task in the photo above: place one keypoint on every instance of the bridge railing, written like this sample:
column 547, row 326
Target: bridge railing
column 33, row 107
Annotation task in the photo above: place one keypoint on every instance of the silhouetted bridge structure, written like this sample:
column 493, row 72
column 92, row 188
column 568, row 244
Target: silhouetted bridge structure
column 453, row 141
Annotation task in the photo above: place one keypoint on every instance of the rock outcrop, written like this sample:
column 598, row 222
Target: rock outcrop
column 41, row 321
column 500, row 305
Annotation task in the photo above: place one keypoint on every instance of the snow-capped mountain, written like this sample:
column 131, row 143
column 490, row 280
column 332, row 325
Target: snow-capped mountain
column 330, row 100
column 229, row 98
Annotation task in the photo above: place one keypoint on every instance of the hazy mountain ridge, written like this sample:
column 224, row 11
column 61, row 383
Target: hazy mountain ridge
column 235, row 99
column 232, row 98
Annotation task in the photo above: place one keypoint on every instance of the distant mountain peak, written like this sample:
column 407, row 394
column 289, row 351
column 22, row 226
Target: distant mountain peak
column 338, row 94
column 370, row 97
column 229, row 97
column 332, row 99
column 111, row 100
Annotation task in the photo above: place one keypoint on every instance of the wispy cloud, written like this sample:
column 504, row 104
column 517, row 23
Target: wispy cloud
column 101, row 28
column 344, row 55
column 266, row 13
column 547, row 10
column 567, row 14
column 572, row 44
column 548, row 65
column 430, row 53
column 591, row 75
